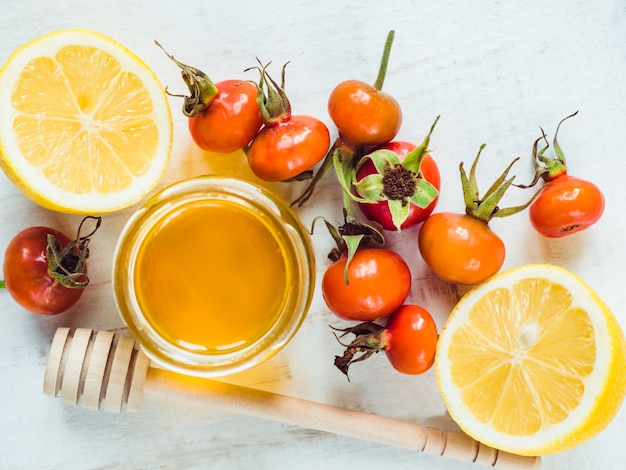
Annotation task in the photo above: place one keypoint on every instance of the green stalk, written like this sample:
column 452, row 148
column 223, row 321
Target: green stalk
column 382, row 71
column 326, row 165
column 2, row 285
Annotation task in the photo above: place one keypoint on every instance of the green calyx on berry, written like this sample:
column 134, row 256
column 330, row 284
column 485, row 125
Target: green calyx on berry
column 486, row 207
column 548, row 168
column 201, row 88
column 369, row 338
column 67, row 263
column 398, row 183
column 350, row 236
column 271, row 97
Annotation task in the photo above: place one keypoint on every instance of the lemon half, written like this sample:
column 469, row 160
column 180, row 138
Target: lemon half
column 532, row 361
column 85, row 125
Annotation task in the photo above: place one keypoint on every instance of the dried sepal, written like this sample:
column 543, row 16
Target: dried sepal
column 546, row 167
column 201, row 88
column 271, row 97
column 369, row 338
column 67, row 264
column 350, row 236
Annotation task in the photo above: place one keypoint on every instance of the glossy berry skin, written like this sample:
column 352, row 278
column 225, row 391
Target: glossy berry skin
column 411, row 340
column 284, row 150
column 26, row 274
column 364, row 115
column 459, row 248
column 379, row 282
column 566, row 205
column 231, row 121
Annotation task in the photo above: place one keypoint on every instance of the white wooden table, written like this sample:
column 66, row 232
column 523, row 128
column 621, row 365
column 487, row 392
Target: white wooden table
column 494, row 70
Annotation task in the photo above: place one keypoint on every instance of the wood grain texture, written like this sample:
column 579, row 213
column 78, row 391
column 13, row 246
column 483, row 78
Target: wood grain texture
column 494, row 70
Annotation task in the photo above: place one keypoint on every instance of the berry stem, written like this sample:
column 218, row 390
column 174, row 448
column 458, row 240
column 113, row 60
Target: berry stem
column 382, row 70
column 327, row 164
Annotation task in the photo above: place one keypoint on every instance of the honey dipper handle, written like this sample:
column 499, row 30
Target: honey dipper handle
column 93, row 368
column 333, row 419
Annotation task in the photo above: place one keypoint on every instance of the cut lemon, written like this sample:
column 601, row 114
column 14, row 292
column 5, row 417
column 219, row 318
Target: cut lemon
column 85, row 125
column 532, row 361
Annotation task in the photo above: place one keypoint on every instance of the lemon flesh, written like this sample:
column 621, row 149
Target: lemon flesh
column 86, row 126
column 532, row 361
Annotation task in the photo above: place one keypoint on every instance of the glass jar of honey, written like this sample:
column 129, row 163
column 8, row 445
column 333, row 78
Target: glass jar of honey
column 213, row 275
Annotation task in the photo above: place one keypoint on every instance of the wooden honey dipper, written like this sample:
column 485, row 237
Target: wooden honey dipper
column 102, row 367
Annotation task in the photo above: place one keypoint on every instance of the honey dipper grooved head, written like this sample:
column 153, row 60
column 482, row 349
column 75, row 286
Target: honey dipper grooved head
column 97, row 366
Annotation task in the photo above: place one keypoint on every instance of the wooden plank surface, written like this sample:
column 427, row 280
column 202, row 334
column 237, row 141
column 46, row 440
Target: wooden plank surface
column 495, row 71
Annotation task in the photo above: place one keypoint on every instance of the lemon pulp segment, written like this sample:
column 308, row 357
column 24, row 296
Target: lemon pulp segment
column 87, row 126
column 532, row 361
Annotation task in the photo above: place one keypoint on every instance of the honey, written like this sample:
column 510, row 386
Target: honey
column 213, row 275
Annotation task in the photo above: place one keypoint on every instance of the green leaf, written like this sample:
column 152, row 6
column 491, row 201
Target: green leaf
column 538, row 156
column 471, row 196
column 334, row 232
column 343, row 163
column 486, row 207
column 349, row 205
column 371, row 188
column 472, row 176
column 498, row 183
column 507, row 211
column 399, row 212
column 425, row 193
column 381, row 159
column 275, row 104
column 352, row 243
column 557, row 148
column 413, row 160
column 470, row 193
column 489, row 206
